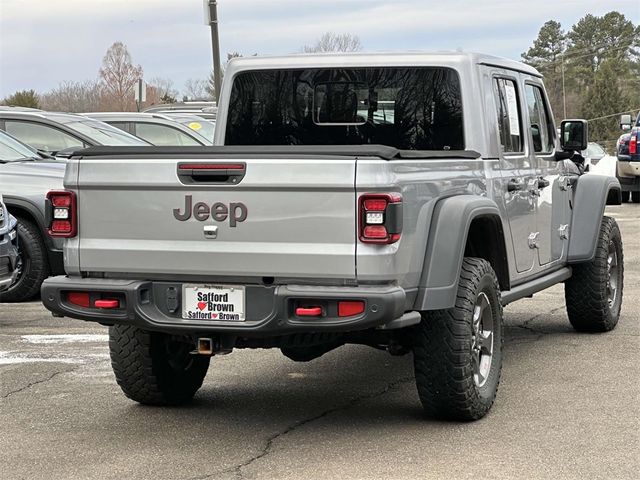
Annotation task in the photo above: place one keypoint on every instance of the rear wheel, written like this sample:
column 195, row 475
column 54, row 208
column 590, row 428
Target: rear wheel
column 33, row 266
column 458, row 351
column 155, row 368
column 593, row 294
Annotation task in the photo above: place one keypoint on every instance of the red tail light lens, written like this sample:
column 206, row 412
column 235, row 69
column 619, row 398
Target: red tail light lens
column 375, row 204
column 62, row 214
column 380, row 217
column 375, row 231
column 633, row 144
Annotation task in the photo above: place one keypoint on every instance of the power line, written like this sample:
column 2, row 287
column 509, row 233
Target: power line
column 613, row 114
column 592, row 50
column 603, row 44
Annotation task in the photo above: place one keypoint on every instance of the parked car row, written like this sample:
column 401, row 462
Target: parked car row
column 33, row 147
column 628, row 152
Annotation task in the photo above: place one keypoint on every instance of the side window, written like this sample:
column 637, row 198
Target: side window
column 42, row 137
column 163, row 136
column 124, row 126
column 509, row 115
column 541, row 124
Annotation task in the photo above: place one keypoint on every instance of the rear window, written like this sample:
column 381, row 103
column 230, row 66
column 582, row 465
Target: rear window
column 405, row 108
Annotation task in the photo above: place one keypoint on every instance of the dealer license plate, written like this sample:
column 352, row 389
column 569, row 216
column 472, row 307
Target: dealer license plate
column 213, row 302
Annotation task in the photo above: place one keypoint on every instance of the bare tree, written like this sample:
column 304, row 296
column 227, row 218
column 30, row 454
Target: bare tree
column 196, row 89
column 335, row 42
column 118, row 76
column 160, row 90
column 72, row 96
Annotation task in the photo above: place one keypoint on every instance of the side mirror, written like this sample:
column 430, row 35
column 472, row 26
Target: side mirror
column 574, row 135
column 625, row 122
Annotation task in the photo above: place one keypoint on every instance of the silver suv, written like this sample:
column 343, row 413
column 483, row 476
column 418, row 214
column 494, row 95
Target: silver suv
column 396, row 201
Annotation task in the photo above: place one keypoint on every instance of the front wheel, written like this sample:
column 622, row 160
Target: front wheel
column 155, row 368
column 593, row 294
column 458, row 351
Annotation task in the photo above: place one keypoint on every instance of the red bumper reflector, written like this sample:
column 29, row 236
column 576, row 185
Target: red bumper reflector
column 349, row 309
column 309, row 312
column 107, row 303
column 80, row 299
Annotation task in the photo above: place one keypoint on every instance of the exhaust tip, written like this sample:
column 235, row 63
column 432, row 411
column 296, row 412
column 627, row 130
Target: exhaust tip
column 205, row 346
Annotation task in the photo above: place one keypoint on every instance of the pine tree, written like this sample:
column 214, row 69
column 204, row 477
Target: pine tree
column 546, row 55
column 23, row 98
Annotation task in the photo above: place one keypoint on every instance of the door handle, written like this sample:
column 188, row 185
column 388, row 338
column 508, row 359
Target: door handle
column 542, row 182
column 515, row 184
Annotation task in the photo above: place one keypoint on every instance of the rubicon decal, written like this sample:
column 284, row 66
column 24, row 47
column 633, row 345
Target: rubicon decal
column 220, row 212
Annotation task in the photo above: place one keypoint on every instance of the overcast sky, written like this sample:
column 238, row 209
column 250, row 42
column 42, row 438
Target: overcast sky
column 43, row 42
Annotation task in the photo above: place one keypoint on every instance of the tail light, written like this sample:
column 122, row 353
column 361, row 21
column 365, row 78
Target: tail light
column 61, row 213
column 633, row 144
column 380, row 217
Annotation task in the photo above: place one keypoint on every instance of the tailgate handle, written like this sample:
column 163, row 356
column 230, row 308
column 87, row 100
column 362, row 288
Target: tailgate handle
column 211, row 173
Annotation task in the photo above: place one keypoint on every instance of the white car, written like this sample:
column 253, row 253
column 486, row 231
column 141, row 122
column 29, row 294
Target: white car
column 597, row 161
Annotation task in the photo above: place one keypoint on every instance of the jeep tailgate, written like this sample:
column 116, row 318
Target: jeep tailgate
column 286, row 216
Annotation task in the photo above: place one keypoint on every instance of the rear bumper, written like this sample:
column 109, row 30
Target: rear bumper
column 630, row 183
column 269, row 309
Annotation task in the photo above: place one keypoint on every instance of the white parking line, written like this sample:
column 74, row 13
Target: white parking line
column 70, row 338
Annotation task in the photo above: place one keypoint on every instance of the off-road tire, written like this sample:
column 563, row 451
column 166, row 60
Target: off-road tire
column 35, row 265
column 587, row 293
column 443, row 358
column 147, row 373
column 635, row 196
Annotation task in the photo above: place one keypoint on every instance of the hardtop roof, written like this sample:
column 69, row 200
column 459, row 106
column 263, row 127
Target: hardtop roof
column 377, row 59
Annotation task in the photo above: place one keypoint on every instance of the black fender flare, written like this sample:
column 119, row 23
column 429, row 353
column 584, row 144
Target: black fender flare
column 31, row 209
column 448, row 233
column 592, row 194
column 54, row 255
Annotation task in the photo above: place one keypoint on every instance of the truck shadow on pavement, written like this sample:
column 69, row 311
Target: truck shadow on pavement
column 365, row 385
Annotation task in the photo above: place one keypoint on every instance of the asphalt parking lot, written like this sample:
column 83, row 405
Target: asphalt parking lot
column 568, row 406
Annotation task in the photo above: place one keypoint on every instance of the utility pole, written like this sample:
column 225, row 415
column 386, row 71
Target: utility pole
column 564, row 95
column 212, row 14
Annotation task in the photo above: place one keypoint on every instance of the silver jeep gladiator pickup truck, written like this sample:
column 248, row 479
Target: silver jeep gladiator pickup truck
column 397, row 201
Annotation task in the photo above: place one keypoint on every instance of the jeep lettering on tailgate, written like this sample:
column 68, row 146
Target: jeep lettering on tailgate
column 235, row 212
